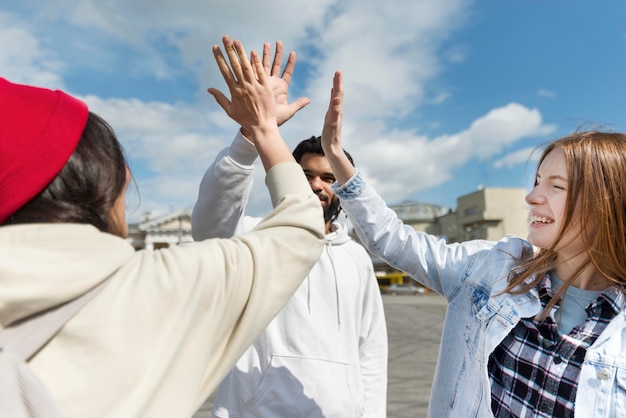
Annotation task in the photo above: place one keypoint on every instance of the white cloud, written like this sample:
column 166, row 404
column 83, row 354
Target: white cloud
column 23, row 58
column 174, row 143
column 388, row 51
column 398, row 161
column 522, row 156
column 503, row 126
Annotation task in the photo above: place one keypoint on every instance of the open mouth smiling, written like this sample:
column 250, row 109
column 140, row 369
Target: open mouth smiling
column 535, row 219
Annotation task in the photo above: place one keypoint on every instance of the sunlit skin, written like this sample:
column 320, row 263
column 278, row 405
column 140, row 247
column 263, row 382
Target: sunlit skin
column 547, row 202
column 320, row 176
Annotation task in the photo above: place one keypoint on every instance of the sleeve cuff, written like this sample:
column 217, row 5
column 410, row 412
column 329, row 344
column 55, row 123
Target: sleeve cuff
column 351, row 189
column 284, row 179
column 242, row 151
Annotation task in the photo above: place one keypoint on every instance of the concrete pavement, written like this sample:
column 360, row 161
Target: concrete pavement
column 414, row 329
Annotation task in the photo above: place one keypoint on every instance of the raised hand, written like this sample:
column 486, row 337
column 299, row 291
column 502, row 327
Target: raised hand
column 252, row 103
column 331, row 133
column 280, row 82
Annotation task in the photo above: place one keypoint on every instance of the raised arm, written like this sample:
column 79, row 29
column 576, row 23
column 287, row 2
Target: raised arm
column 424, row 257
column 224, row 191
column 226, row 185
column 254, row 274
column 331, row 134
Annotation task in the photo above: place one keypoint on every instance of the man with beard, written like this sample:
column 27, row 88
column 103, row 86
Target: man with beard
column 325, row 353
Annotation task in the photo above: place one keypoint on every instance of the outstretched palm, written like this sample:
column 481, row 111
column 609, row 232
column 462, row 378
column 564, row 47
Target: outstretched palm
column 280, row 82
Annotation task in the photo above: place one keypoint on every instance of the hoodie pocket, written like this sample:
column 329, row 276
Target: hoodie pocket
column 306, row 387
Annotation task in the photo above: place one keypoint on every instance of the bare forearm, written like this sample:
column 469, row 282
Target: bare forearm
column 339, row 163
column 270, row 145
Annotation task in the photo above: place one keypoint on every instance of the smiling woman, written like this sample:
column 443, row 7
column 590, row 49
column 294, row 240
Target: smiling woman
column 534, row 327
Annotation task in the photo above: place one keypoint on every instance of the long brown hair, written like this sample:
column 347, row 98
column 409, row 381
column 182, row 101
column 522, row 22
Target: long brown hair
column 596, row 168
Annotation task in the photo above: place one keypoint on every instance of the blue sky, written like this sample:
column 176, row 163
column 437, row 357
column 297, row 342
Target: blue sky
column 442, row 96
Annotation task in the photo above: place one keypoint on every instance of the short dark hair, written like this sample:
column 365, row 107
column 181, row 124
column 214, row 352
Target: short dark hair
column 87, row 187
column 313, row 145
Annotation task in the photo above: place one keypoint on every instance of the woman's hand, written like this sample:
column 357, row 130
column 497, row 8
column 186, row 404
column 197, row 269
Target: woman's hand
column 331, row 133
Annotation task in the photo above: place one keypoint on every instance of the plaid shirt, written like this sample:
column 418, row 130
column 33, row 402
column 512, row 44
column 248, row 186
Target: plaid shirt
column 535, row 371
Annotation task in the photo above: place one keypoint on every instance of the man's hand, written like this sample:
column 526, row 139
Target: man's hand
column 280, row 83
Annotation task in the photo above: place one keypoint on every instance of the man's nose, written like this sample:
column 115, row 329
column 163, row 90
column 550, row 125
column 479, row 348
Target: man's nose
column 315, row 184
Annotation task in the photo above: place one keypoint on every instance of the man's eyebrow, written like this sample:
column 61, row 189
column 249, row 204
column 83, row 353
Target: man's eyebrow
column 321, row 173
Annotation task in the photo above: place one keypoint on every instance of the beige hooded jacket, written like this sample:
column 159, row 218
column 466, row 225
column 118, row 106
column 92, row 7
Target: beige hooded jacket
column 169, row 324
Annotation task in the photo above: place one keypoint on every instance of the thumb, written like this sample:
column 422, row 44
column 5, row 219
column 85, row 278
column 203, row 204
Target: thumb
column 220, row 99
column 294, row 107
column 300, row 103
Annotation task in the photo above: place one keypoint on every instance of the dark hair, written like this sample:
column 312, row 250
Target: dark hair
column 313, row 145
column 87, row 187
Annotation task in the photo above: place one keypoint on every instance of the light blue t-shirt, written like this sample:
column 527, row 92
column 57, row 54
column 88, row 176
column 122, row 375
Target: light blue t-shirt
column 572, row 311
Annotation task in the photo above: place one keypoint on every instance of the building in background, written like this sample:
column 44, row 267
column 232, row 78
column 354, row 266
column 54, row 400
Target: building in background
column 489, row 213
column 162, row 231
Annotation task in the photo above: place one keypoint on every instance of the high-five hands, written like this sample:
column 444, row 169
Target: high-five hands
column 252, row 104
column 252, row 99
column 280, row 83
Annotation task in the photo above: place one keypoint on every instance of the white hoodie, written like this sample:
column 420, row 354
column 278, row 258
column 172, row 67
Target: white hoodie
column 325, row 353
column 169, row 324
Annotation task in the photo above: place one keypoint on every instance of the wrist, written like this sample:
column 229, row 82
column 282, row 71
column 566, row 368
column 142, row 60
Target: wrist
column 334, row 151
column 246, row 133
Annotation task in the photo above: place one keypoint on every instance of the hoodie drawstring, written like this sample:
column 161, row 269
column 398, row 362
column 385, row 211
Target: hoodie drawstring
column 329, row 251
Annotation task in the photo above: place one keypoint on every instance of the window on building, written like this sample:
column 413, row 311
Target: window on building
column 471, row 211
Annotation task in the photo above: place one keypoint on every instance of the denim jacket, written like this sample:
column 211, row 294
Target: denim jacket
column 471, row 275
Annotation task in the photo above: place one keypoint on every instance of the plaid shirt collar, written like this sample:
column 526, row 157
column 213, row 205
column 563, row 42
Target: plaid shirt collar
column 535, row 371
column 612, row 300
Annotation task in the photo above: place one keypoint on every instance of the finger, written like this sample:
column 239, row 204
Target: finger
column 338, row 87
column 221, row 99
column 299, row 103
column 267, row 56
column 233, row 57
column 253, row 67
column 291, row 65
column 223, row 65
column 245, row 67
column 258, row 66
column 295, row 107
column 278, row 59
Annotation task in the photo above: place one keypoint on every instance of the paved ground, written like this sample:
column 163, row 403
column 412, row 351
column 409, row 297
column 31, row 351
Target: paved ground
column 414, row 327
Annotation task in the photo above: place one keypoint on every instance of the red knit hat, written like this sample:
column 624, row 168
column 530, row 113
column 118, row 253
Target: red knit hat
column 39, row 130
